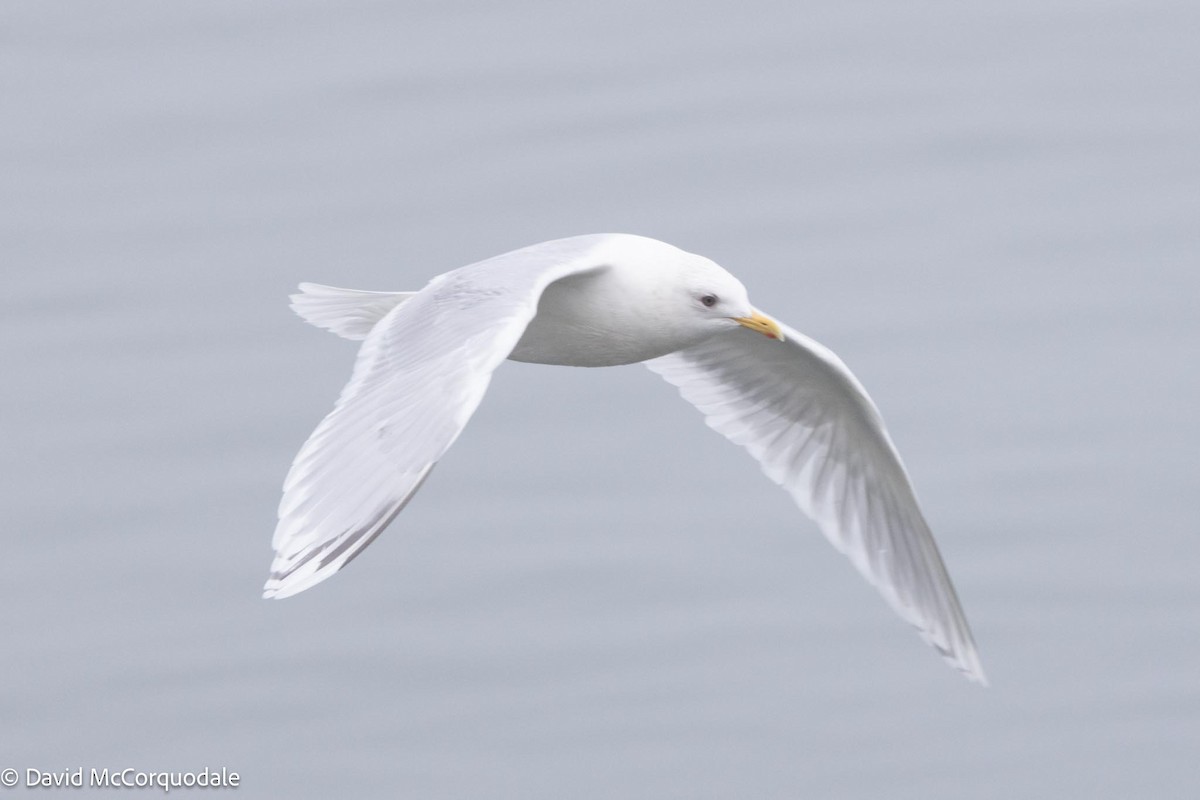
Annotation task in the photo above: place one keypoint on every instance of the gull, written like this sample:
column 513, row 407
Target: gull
column 596, row 301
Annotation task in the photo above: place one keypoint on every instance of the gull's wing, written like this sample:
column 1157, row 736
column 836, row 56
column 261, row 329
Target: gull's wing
column 810, row 424
column 419, row 377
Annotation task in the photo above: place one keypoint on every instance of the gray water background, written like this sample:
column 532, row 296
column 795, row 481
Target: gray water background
column 991, row 211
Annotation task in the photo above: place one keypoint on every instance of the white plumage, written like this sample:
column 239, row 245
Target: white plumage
column 601, row 300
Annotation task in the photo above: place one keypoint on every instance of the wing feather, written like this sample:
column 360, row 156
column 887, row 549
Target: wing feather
column 419, row 376
column 810, row 424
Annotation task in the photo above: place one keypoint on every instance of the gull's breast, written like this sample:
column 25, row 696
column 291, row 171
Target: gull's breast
column 593, row 320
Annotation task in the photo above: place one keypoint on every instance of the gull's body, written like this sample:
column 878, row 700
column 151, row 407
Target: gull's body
column 593, row 301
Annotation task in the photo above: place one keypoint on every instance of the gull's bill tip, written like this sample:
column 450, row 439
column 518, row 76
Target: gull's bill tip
column 761, row 323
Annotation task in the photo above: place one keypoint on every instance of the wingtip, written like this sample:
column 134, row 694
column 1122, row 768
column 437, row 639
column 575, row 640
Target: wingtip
column 272, row 590
column 974, row 672
column 285, row 584
column 975, row 676
column 965, row 662
column 955, row 645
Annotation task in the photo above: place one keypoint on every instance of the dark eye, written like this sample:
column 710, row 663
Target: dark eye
column 709, row 300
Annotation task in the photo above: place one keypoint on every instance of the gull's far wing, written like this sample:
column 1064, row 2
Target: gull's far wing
column 810, row 424
column 420, row 374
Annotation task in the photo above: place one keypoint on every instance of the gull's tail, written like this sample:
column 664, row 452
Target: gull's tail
column 350, row 313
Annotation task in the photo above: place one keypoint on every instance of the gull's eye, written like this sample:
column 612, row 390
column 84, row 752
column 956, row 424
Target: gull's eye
column 709, row 300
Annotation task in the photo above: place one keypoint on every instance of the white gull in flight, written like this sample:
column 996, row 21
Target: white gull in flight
column 597, row 301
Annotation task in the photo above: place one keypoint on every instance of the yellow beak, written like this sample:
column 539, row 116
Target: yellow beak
column 761, row 323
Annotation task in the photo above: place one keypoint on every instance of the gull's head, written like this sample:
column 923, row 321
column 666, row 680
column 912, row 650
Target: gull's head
column 717, row 300
column 653, row 299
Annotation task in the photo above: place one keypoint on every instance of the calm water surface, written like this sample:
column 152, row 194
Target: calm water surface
column 990, row 211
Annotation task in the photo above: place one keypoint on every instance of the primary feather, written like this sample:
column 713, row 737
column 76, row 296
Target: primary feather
column 811, row 426
column 420, row 374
